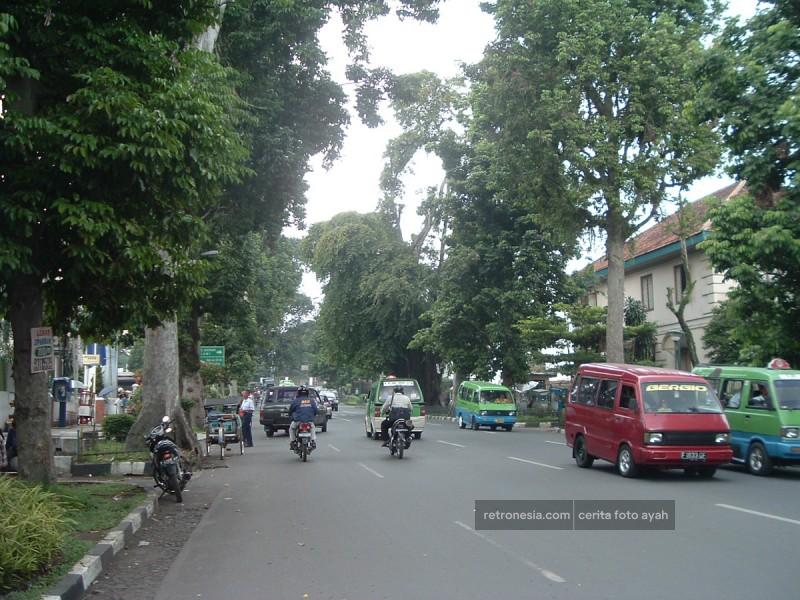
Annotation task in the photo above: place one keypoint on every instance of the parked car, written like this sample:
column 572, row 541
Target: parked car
column 274, row 413
column 763, row 409
column 646, row 417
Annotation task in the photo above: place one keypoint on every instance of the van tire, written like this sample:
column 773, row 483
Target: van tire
column 417, row 435
column 269, row 431
column 582, row 458
column 508, row 427
column 475, row 425
column 461, row 423
column 626, row 466
column 758, row 461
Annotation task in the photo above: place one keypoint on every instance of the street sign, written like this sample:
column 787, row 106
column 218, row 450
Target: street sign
column 41, row 349
column 214, row 355
column 91, row 360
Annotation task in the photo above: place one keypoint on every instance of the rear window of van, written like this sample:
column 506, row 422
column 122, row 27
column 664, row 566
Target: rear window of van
column 409, row 389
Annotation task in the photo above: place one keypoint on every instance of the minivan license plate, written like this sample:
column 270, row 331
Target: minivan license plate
column 693, row 455
column 498, row 420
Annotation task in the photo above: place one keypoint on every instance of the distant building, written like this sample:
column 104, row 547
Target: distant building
column 653, row 263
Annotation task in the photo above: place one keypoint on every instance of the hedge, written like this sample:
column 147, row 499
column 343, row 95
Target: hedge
column 116, row 427
column 31, row 529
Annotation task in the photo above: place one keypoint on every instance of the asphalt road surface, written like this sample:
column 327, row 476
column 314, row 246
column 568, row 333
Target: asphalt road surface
column 355, row 523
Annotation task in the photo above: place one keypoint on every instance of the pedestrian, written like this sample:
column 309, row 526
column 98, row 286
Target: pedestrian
column 3, row 459
column 246, row 409
column 11, row 445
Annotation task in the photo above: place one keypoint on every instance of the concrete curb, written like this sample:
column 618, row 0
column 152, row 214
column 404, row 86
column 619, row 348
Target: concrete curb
column 109, row 468
column 516, row 425
column 77, row 582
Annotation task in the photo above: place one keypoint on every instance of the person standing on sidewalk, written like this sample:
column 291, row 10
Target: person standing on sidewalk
column 246, row 409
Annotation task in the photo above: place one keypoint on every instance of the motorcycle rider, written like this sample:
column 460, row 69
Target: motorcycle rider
column 398, row 406
column 303, row 409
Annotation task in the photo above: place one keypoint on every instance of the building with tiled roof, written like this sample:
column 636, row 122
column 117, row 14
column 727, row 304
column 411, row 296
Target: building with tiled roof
column 653, row 264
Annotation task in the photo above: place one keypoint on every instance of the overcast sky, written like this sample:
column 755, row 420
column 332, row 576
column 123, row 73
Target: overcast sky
column 460, row 35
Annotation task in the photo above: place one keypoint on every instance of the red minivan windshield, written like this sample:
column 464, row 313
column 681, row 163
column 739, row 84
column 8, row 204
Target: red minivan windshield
column 680, row 397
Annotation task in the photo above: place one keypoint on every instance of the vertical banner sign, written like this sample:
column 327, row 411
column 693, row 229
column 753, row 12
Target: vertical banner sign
column 41, row 349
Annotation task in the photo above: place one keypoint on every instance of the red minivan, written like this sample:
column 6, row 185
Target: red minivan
column 640, row 417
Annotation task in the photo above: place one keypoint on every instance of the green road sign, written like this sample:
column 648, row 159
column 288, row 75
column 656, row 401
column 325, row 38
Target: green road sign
column 214, row 355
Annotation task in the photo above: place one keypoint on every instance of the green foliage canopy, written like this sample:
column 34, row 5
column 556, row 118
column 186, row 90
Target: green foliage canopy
column 591, row 104
column 756, row 239
column 112, row 146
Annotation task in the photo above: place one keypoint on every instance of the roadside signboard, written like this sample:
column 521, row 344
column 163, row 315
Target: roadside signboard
column 91, row 360
column 41, row 349
column 214, row 355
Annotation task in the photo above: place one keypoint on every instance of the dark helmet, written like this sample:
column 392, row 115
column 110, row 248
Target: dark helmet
column 302, row 391
column 398, row 388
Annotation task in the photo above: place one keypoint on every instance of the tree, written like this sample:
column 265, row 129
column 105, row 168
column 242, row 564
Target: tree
column 755, row 240
column 254, row 289
column 295, row 110
column 591, row 104
column 686, row 224
column 730, row 344
column 146, row 116
column 374, row 295
column 495, row 264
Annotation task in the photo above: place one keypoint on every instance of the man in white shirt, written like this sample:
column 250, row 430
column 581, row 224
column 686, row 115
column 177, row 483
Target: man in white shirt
column 397, row 406
column 246, row 408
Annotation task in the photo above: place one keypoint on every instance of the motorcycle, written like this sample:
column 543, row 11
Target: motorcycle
column 169, row 470
column 302, row 443
column 399, row 438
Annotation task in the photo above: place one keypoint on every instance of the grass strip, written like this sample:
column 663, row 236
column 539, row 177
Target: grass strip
column 91, row 510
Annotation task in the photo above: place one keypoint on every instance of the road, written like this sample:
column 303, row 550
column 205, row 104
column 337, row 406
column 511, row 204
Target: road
column 354, row 523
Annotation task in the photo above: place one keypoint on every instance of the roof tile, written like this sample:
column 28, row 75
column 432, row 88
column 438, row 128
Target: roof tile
column 663, row 233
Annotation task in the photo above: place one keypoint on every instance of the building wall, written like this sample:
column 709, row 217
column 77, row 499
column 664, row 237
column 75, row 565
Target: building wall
column 709, row 291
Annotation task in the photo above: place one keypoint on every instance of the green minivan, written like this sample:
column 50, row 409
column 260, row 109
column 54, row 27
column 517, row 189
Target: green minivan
column 381, row 391
column 763, row 410
column 480, row 403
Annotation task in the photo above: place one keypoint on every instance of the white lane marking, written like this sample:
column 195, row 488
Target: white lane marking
column 451, row 444
column 343, row 419
column 556, row 443
column 332, row 447
column 542, row 571
column 363, row 466
column 759, row 514
column 533, row 462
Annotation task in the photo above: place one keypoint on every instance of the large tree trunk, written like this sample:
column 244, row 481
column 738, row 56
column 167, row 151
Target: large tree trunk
column 160, row 389
column 32, row 404
column 615, row 322
column 507, row 379
column 434, row 378
column 458, row 377
column 191, row 381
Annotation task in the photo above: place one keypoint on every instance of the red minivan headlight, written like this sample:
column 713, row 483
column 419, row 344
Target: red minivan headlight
column 653, row 437
column 722, row 438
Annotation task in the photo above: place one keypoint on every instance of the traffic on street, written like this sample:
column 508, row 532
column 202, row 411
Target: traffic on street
column 399, row 299
column 354, row 523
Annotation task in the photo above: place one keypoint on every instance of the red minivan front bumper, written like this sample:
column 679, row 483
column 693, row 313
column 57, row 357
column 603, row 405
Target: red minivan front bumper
column 672, row 456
